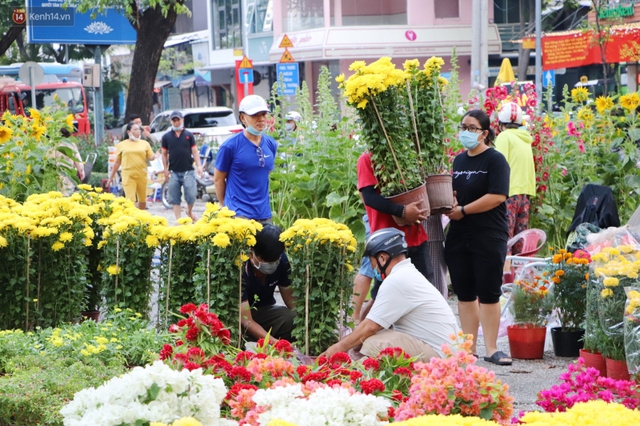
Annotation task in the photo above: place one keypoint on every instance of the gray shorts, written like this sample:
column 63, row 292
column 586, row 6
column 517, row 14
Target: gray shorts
column 179, row 180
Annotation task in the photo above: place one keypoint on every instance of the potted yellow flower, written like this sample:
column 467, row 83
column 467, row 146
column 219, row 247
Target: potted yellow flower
column 402, row 121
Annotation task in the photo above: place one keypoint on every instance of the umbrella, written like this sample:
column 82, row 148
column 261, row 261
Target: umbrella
column 506, row 73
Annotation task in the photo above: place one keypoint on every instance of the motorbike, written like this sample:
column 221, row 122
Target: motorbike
column 205, row 190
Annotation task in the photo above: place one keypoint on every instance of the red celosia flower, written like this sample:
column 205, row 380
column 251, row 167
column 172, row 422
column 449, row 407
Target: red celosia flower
column 182, row 323
column 321, row 360
column 195, row 353
column 244, row 356
column 284, row 347
column 260, row 356
column 166, row 352
column 240, row 373
column 371, row 386
column 236, row 388
column 355, row 375
column 402, row 371
column 179, row 343
column 225, row 336
column 391, row 412
column 173, row 328
column 396, row 395
column 302, row 370
column 182, row 358
column 340, row 358
column 393, row 352
column 192, row 334
column 260, row 343
column 314, row 377
column 188, row 308
column 371, row 364
column 191, row 366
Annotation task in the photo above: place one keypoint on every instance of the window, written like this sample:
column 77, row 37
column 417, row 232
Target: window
column 303, row 15
column 226, row 31
column 367, row 12
column 507, row 11
column 447, row 8
column 260, row 16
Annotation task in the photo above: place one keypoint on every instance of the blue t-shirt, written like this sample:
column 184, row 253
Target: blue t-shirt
column 247, row 167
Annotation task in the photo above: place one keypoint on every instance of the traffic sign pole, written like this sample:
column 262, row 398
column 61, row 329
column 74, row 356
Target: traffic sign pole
column 32, row 84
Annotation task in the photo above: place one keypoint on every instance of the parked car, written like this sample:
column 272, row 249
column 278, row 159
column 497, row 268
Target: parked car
column 211, row 125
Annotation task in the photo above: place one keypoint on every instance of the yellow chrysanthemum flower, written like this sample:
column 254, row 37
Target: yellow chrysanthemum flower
column 186, row 421
column 611, row 282
column 607, row 292
column 221, row 240
column 57, row 246
column 113, row 270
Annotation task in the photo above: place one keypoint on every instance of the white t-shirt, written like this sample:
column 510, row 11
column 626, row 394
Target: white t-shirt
column 412, row 305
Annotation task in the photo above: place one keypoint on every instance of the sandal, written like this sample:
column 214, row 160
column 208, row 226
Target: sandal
column 498, row 358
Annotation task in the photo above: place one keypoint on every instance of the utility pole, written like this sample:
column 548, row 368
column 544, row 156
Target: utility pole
column 539, row 53
column 479, row 45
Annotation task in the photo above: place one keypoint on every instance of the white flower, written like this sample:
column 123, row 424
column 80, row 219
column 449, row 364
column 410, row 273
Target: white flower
column 128, row 399
column 325, row 406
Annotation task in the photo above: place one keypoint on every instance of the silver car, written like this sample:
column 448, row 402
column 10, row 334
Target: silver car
column 210, row 125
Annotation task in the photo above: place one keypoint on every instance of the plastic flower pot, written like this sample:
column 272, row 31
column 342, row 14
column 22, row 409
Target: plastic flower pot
column 594, row 360
column 526, row 341
column 617, row 370
column 566, row 343
column 440, row 190
column 416, row 194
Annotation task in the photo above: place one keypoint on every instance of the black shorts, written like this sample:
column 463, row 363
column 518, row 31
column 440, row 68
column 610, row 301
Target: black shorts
column 475, row 267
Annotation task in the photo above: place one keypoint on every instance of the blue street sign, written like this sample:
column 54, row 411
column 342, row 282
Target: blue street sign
column 245, row 75
column 549, row 78
column 289, row 74
column 48, row 22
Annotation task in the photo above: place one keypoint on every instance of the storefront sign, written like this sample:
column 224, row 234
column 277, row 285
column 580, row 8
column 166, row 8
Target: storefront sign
column 616, row 12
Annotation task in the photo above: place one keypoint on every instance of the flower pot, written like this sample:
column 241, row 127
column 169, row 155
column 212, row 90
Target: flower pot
column 566, row 343
column 617, row 370
column 440, row 191
column 92, row 315
column 413, row 195
column 526, row 342
column 595, row 360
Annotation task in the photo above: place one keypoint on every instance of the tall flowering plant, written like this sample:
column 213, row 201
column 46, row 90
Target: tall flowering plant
column 632, row 333
column 321, row 254
column 455, row 385
column 569, row 273
column 401, row 112
column 531, row 304
column 223, row 243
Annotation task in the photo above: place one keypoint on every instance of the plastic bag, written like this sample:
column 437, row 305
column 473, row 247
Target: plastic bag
column 632, row 332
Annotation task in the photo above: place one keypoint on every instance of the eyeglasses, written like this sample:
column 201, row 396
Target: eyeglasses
column 260, row 156
column 472, row 129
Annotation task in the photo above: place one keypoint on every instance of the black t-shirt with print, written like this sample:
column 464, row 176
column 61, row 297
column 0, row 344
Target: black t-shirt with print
column 260, row 293
column 474, row 177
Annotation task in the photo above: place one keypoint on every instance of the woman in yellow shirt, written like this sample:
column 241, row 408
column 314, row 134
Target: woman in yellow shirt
column 132, row 154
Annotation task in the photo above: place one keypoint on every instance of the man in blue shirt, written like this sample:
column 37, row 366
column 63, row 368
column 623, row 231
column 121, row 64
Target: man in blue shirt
column 267, row 267
column 244, row 162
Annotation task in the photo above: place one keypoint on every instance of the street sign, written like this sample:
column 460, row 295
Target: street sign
column 49, row 22
column 25, row 73
column 549, row 78
column 286, row 57
column 245, row 75
column 286, row 42
column 288, row 78
column 246, row 63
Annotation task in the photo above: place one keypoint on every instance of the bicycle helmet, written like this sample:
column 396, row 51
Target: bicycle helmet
column 388, row 240
column 293, row 115
column 510, row 113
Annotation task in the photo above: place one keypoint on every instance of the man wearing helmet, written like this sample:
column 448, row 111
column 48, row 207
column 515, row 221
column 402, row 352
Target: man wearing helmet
column 244, row 162
column 514, row 142
column 409, row 313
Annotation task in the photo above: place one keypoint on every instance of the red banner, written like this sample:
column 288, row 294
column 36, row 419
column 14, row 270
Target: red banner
column 580, row 49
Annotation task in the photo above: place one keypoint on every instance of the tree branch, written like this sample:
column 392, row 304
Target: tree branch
column 7, row 40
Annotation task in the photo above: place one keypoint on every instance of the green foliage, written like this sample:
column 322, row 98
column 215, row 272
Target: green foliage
column 315, row 172
column 87, row 147
column 531, row 304
column 36, row 387
column 569, row 273
column 16, row 280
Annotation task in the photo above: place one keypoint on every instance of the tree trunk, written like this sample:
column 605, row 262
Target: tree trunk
column 523, row 54
column 153, row 30
column 7, row 40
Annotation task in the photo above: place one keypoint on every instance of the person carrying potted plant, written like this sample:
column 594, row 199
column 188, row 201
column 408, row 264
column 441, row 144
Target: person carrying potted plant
column 476, row 244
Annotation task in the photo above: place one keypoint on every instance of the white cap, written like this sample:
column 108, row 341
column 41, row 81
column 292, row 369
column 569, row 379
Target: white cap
column 253, row 104
column 293, row 115
column 510, row 113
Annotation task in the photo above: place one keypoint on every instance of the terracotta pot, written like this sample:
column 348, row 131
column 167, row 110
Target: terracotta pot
column 440, row 191
column 92, row 315
column 595, row 360
column 416, row 194
column 617, row 370
column 526, row 342
column 566, row 343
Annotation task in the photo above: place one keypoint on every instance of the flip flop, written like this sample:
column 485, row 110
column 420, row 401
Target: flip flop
column 497, row 358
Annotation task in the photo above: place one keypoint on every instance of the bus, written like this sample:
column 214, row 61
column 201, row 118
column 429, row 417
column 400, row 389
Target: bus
column 60, row 79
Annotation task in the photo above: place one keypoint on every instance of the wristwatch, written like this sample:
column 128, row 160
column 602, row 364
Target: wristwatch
column 462, row 211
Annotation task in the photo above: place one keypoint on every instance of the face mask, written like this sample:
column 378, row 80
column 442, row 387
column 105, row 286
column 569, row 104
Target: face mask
column 253, row 130
column 177, row 129
column 377, row 275
column 468, row 139
column 267, row 268
column 133, row 138
column 288, row 127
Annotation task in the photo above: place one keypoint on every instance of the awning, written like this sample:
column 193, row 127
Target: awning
column 374, row 42
column 187, row 83
column 194, row 37
column 160, row 84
